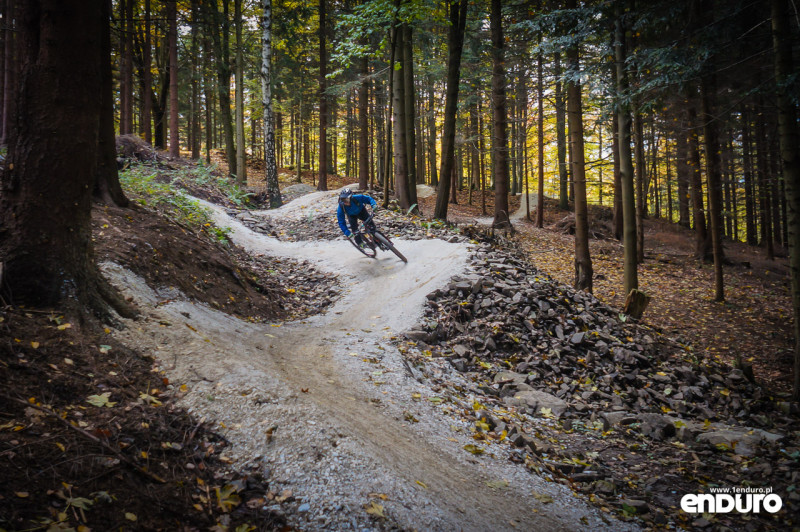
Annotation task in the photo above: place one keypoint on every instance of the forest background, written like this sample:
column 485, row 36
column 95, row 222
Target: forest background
column 684, row 111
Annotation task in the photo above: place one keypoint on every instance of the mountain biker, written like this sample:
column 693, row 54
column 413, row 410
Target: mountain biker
column 354, row 205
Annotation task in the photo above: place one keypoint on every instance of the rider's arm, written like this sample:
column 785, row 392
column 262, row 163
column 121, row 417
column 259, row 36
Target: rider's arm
column 342, row 223
column 366, row 198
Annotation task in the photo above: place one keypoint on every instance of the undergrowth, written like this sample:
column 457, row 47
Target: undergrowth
column 158, row 188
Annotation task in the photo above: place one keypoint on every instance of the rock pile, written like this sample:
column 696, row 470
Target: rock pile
column 551, row 347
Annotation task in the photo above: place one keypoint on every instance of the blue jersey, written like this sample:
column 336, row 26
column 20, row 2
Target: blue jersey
column 357, row 202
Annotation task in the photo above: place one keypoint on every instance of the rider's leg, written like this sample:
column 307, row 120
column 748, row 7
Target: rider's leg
column 354, row 227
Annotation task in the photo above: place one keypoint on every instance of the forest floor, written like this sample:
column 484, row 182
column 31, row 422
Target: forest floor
column 176, row 458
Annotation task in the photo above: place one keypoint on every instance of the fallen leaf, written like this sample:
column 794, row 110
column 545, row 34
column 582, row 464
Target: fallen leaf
column 130, row 517
column 373, row 508
column 542, row 497
column 474, row 449
column 101, row 400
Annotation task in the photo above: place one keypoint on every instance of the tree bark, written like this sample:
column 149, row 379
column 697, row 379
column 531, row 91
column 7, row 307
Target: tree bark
column 45, row 205
column 630, row 257
column 683, row 172
column 172, row 21
column 273, row 190
column 561, row 138
column 106, row 184
column 499, row 118
column 219, row 29
column 241, row 142
column 323, row 102
column 790, row 163
column 147, row 104
column 698, row 211
column 638, row 141
column 713, row 171
column 363, row 126
column 409, row 111
column 540, row 137
column 583, row 261
column 10, row 69
column 458, row 17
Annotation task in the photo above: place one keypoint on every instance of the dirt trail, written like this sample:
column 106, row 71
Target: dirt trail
column 327, row 408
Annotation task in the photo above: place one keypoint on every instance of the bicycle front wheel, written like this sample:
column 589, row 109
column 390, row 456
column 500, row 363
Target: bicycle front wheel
column 388, row 245
column 368, row 248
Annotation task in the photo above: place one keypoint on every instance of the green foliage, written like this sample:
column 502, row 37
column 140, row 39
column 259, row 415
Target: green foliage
column 148, row 187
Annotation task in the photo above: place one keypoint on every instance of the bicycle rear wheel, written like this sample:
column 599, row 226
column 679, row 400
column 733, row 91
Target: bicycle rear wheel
column 380, row 237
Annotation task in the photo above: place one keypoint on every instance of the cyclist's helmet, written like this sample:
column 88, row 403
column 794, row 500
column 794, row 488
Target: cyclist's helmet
column 344, row 195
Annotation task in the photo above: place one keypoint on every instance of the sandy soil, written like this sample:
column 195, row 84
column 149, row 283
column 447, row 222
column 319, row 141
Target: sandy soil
column 327, row 408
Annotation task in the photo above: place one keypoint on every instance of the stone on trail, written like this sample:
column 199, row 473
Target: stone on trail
column 536, row 400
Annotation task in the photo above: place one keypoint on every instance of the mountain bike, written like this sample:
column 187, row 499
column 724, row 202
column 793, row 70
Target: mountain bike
column 372, row 240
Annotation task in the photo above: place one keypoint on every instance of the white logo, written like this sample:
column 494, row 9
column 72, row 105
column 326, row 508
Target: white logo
column 726, row 500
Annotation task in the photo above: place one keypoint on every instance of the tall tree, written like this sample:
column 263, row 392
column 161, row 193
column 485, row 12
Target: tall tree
column 45, row 239
column 363, row 126
column 713, row 171
column 630, row 258
column 790, row 162
column 561, row 137
column 9, row 68
column 455, row 45
column 147, row 102
column 273, row 190
column 106, row 184
column 499, row 118
column 540, row 136
column 323, row 102
column 583, row 261
column 219, row 28
column 241, row 152
column 172, row 21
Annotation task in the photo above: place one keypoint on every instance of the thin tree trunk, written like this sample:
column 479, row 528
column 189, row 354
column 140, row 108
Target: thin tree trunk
column 106, row 184
column 763, row 190
column 698, row 211
column 174, row 148
column 540, row 137
column 683, row 174
column 432, row 135
column 583, row 261
column 617, row 220
column 710, row 135
column 10, row 69
column 323, row 101
column 363, row 126
column 638, row 133
column 630, row 257
column 499, row 119
column 561, row 139
column 458, row 17
column 408, row 111
column 241, row 152
column 271, row 177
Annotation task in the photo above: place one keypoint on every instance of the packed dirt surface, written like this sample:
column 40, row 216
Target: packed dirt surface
column 348, row 435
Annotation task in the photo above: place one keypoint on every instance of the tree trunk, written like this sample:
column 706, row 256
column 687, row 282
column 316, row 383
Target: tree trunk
column 363, row 126
column 630, row 257
column 174, row 148
column 45, row 238
column 713, row 171
column 763, row 190
column 9, row 69
column 499, row 119
column 408, row 112
column 323, row 102
column 432, row 134
column 540, row 137
column 749, row 182
column 458, row 17
column 583, row 261
column 683, row 173
column 790, row 163
column 220, row 29
column 106, row 184
column 617, row 220
column 241, row 152
column 561, row 139
column 400, row 140
column 273, row 190
column 638, row 134
column 698, row 212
